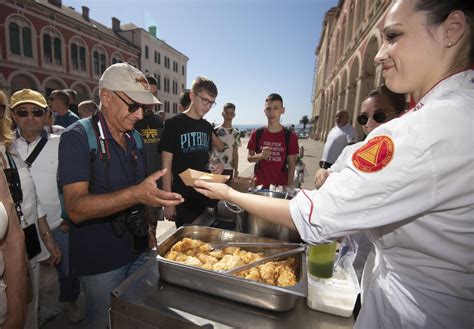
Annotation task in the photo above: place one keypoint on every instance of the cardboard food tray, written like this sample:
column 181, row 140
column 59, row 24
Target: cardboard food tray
column 190, row 175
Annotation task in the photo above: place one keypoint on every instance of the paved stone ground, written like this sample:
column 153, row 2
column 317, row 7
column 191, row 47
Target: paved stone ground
column 52, row 314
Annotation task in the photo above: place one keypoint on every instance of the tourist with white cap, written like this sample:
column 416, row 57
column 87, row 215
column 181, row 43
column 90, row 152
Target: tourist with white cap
column 105, row 189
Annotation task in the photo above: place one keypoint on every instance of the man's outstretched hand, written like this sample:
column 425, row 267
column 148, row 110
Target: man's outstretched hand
column 147, row 192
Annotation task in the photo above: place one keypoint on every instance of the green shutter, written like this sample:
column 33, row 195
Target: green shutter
column 14, row 31
column 27, row 46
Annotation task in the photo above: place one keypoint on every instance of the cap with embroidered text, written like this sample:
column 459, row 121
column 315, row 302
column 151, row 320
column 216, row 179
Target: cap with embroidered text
column 129, row 80
column 27, row 96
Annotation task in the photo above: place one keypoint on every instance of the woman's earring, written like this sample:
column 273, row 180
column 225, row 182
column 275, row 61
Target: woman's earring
column 450, row 44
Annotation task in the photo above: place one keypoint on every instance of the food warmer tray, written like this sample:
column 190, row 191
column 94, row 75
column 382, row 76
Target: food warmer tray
column 228, row 286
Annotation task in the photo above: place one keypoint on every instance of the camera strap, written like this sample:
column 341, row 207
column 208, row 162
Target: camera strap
column 14, row 185
column 36, row 151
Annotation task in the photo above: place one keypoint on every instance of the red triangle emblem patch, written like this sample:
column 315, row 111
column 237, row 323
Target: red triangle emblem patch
column 374, row 155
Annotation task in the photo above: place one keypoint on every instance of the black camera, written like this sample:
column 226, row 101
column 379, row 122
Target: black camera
column 131, row 219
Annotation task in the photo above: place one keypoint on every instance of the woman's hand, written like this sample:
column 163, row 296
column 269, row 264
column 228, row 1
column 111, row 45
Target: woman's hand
column 321, row 176
column 217, row 191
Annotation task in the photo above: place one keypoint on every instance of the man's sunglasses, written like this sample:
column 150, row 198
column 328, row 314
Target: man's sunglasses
column 133, row 107
column 379, row 117
column 24, row 113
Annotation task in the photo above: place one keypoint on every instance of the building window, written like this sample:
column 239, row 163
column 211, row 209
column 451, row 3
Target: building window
column 167, row 62
column 158, row 82
column 99, row 59
column 57, row 51
column 182, row 87
column 146, row 51
column 175, row 108
column 159, row 59
column 182, row 69
column 116, row 58
column 175, row 87
column 156, row 57
column 20, row 38
column 52, row 47
column 166, row 82
column 167, row 106
column 78, row 55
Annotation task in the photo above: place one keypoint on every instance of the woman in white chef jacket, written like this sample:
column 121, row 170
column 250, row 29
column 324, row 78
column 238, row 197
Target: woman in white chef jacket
column 410, row 186
column 33, row 214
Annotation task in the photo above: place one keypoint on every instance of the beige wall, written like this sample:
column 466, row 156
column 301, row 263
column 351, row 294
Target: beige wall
column 344, row 59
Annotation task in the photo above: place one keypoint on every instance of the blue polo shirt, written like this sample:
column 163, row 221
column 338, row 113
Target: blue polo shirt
column 94, row 248
column 65, row 120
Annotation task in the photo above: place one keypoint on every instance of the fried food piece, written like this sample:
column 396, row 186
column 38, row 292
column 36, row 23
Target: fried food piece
column 200, row 254
column 171, row 255
column 218, row 253
column 228, row 262
column 207, row 259
column 230, row 250
column 286, row 276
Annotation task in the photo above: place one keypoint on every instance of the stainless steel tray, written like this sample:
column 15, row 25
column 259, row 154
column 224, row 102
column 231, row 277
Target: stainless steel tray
column 228, row 286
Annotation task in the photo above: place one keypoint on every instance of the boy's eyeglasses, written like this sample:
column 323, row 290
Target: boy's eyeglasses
column 206, row 102
column 2, row 110
column 133, row 107
column 35, row 112
column 379, row 117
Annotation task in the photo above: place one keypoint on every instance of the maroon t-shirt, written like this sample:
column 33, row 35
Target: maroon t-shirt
column 270, row 171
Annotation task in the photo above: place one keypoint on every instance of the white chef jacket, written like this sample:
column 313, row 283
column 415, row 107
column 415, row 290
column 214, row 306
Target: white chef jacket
column 338, row 138
column 418, row 210
column 30, row 206
column 44, row 172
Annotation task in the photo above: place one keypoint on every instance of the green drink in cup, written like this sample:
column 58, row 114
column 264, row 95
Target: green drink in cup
column 321, row 259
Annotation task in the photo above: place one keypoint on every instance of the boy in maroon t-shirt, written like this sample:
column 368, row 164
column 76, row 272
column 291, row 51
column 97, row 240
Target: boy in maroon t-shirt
column 275, row 143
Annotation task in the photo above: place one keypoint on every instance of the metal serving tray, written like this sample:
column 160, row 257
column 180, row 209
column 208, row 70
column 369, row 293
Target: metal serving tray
column 224, row 285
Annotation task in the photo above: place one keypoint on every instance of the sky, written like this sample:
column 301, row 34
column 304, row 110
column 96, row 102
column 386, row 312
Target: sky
column 249, row 48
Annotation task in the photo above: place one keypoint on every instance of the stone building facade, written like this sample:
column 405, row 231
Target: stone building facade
column 344, row 68
column 45, row 45
column 165, row 63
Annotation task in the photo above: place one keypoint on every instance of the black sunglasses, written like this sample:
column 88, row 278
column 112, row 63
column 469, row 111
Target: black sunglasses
column 132, row 108
column 36, row 113
column 379, row 117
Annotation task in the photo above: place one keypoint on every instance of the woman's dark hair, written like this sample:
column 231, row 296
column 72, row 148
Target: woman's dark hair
column 437, row 11
column 398, row 101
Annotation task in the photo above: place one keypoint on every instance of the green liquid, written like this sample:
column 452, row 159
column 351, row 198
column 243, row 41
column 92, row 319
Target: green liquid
column 321, row 260
column 321, row 270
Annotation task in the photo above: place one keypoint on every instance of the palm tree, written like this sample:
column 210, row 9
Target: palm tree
column 304, row 121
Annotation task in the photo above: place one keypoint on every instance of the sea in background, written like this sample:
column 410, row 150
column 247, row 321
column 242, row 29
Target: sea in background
column 298, row 127
column 247, row 127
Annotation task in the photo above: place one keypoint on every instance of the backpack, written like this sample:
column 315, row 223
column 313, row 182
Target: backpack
column 259, row 132
column 93, row 135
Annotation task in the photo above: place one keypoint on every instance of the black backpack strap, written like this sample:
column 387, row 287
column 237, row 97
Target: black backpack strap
column 258, row 135
column 36, row 151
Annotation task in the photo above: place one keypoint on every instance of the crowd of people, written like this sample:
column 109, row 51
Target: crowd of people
column 84, row 186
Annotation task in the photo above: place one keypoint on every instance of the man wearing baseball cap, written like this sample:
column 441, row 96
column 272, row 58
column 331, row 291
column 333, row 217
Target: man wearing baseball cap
column 105, row 190
column 39, row 150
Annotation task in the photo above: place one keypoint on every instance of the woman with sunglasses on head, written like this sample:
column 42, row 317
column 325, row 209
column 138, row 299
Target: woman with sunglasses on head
column 40, row 244
column 380, row 106
column 410, row 186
